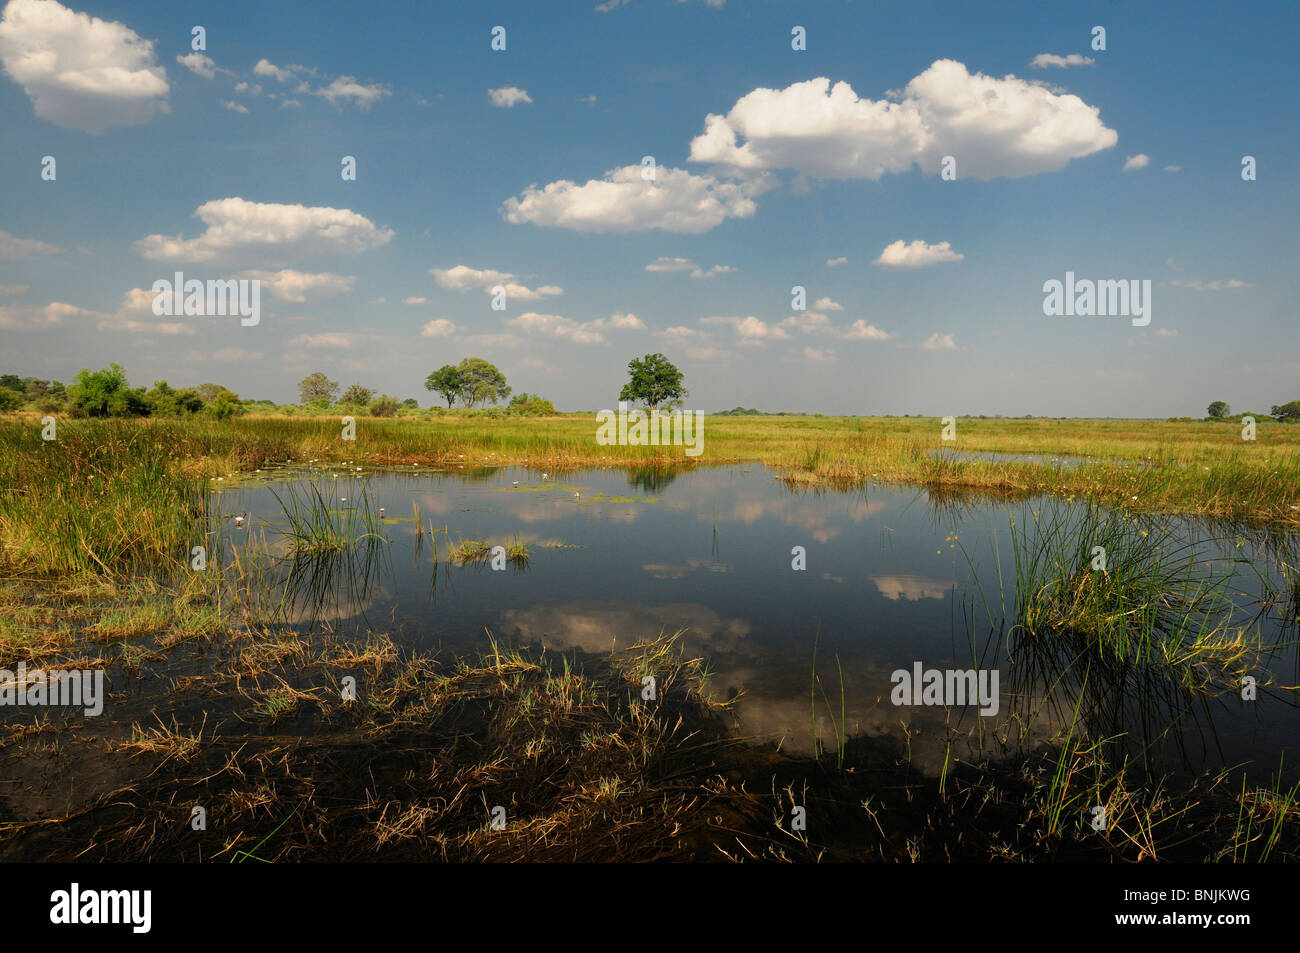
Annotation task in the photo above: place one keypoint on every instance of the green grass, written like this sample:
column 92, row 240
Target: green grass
column 129, row 496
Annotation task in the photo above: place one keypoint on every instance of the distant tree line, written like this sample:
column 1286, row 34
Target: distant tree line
column 1288, row 412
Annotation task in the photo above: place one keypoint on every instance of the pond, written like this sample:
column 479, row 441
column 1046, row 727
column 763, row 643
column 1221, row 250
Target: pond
column 894, row 579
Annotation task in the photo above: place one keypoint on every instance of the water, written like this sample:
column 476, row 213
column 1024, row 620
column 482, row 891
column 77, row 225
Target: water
column 894, row 576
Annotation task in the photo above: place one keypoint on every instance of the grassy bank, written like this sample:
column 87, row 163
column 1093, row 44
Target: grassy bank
column 127, row 495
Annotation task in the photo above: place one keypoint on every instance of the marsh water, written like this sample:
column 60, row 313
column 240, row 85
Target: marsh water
column 894, row 577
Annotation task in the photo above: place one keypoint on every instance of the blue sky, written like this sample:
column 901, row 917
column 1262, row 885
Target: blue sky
column 1125, row 167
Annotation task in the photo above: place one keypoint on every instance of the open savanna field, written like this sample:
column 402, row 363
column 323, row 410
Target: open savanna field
column 222, row 700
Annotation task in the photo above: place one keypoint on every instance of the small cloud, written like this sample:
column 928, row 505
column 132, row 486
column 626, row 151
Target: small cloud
column 346, row 89
column 1173, row 168
column 463, row 278
column 253, row 89
column 686, row 264
column 298, row 286
column 1167, row 332
column 12, row 290
column 827, row 304
column 750, row 331
column 509, row 96
column 414, row 300
column 859, row 330
column 438, row 328
column 1044, row 60
column 589, row 99
column 609, row 5
column 916, row 254
column 290, row 102
column 819, row 355
column 553, row 325
column 267, row 68
column 940, row 342
column 14, row 249
column 832, row 262
column 200, row 64
column 625, row 322
column 234, row 107
column 1195, row 284
column 1139, row 161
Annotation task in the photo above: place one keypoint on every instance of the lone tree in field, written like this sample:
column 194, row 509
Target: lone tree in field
column 483, row 382
column 447, row 381
column 356, row 394
column 317, row 389
column 1218, row 410
column 655, row 382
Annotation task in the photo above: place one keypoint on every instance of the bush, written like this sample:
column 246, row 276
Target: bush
column 224, row 407
column 383, row 406
column 10, row 400
column 530, row 405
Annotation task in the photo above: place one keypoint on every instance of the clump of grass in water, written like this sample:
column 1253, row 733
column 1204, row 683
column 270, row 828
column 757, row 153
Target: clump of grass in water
column 1153, row 600
column 469, row 551
column 314, row 527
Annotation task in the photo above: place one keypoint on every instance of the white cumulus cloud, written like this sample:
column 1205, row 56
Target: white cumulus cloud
column 464, row 278
column 438, row 328
column 265, row 67
column 509, row 96
column 239, row 231
column 623, row 201
column 915, row 254
column 1005, row 127
column 200, row 64
column 346, row 89
column 79, row 71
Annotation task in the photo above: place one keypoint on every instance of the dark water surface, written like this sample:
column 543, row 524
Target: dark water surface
column 895, row 576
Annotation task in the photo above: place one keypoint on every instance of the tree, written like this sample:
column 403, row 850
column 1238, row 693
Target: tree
column 12, row 382
column 9, row 400
column 655, row 381
column 1218, row 410
column 483, row 382
column 317, row 389
column 166, row 401
column 383, row 406
column 1288, row 411
column 356, row 394
column 447, row 381
column 412, row 403
column 104, row 393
